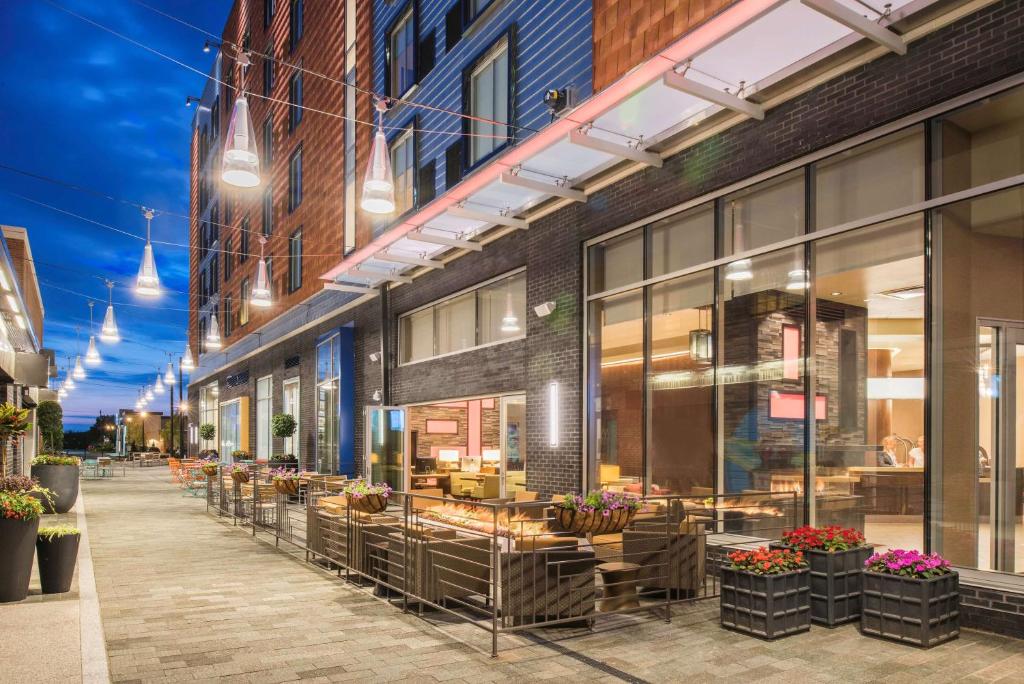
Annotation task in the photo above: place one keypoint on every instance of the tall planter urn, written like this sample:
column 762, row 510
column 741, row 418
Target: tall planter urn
column 765, row 598
column 61, row 480
column 17, row 550
column 58, row 555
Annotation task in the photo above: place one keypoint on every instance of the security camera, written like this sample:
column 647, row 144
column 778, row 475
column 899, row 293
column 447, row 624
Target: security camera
column 544, row 309
column 375, row 357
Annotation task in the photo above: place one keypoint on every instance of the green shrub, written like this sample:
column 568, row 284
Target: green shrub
column 55, row 459
column 58, row 531
column 283, row 425
column 207, row 431
column 50, row 418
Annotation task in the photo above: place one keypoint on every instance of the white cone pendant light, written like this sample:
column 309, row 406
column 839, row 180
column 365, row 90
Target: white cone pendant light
column 79, row 371
column 92, row 356
column 510, row 323
column 108, row 331
column 147, row 284
column 69, row 382
column 213, row 336
column 149, row 393
column 187, row 362
column 158, row 388
column 240, row 166
column 379, row 184
column 169, row 375
column 261, row 288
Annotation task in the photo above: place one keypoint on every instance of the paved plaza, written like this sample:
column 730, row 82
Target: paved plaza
column 187, row 597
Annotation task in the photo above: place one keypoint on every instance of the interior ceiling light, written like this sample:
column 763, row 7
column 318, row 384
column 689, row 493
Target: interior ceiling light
column 240, row 165
column 260, row 296
column 510, row 322
column 147, row 284
column 904, row 293
column 92, row 355
column 213, row 336
column 701, row 347
column 798, row 279
column 187, row 362
column 169, row 374
column 379, row 184
column 108, row 331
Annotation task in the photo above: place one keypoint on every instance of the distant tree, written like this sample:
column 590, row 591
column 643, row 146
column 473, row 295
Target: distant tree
column 50, row 418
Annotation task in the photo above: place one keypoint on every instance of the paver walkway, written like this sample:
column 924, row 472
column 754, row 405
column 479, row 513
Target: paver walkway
column 186, row 597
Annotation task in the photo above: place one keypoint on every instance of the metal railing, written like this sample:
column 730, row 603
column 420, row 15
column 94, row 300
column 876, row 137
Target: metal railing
column 507, row 566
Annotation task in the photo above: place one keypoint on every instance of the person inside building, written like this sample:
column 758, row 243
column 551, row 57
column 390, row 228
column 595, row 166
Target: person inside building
column 887, row 456
column 916, row 456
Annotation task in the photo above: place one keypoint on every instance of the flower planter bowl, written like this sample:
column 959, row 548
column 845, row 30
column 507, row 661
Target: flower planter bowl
column 17, row 550
column 766, row 606
column 836, row 583
column 922, row 612
column 210, row 469
column 583, row 523
column 62, row 480
column 287, row 487
column 367, row 503
column 240, row 476
column 57, row 558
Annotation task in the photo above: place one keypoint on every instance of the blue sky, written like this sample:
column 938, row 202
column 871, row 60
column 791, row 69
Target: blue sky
column 85, row 107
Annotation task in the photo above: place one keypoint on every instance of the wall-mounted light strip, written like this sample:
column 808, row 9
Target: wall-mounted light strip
column 553, row 411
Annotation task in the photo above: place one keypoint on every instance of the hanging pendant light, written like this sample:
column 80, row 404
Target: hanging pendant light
column 149, row 393
column 158, row 388
column 213, row 336
column 169, row 375
column 510, row 323
column 740, row 269
column 62, row 394
column 92, row 355
column 147, row 284
column 700, row 341
column 260, row 295
column 109, row 332
column 379, row 184
column 69, row 382
column 240, row 165
column 79, row 371
column 187, row 362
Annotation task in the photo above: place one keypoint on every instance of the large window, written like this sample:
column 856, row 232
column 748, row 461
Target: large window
column 208, row 405
column 295, row 23
column 230, row 430
column 295, row 180
column 295, row 100
column 268, row 210
column 493, row 312
column 243, row 302
column 487, row 98
column 402, row 54
column 243, row 240
column 328, row 378
column 290, row 406
column 403, row 167
column 268, row 141
column 295, row 261
column 264, row 409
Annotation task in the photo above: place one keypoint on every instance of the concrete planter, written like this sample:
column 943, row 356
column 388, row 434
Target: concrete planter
column 766, row 606
column 62, row 480
column 17, row 549
column 836, row 583
column 57, row 559
column 922, row 612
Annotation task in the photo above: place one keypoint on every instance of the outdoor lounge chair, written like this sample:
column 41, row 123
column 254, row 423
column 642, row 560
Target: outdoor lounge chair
column 670, row 557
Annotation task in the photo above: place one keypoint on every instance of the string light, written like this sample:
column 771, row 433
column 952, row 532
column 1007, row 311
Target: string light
column 148, row 282
column 187, row 362
column 169, row 375
column 149, row 393
column 260, row 296
column 158, row 388
column 79, row 371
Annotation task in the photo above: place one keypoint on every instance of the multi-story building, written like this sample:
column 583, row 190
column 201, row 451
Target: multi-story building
column 682, row 248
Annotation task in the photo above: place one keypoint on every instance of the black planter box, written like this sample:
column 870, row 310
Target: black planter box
column 836, row 584
column 923, row 612
column 767, row 606
column 17, row 550
column 57, row 558
column 62, row 480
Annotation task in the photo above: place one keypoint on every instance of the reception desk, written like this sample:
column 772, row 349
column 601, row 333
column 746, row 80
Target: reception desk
column 889, row 489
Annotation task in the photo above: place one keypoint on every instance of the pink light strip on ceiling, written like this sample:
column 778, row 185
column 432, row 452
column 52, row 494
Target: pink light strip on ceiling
column 730, row 20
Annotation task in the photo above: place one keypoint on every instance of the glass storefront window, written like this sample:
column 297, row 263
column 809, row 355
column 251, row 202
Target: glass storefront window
column 264, row 394
column 869, row 179
column 681, row 386
column 616, row 344
column 764, row 213
column 869, row 366
column 208, row 409
column 616, row 262
column 501, row 309
column 980, row 143
column 682, row 241
column 230, row 429
column 327, row 405
column 760, row 372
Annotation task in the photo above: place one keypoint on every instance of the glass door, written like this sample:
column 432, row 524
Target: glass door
column 1001, row 444
column 513, row 444
column 290, row 405
column 385, row 456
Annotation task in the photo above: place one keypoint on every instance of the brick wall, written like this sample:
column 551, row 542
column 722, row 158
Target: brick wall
column 992, row 608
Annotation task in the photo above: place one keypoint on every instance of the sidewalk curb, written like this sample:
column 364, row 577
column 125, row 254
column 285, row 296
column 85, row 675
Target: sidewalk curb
column 93, row 643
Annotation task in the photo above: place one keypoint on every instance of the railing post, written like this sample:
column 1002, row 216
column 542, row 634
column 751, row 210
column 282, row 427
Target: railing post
column 495, row 579
column 255, row 477
column 407, row 521
column 669, row 566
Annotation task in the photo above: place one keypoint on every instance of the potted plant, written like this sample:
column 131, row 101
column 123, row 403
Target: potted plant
column 766, row 593
column 240, row 473
column 836, row 556
column 13, row 423
column 209, row 466
column 19, row 522
column 599, row 512
column 286, row 481
column 57, row 473
column 58, row 552
column 911, row 597
column 283, row 425
column 367, row 498
column 207, row 432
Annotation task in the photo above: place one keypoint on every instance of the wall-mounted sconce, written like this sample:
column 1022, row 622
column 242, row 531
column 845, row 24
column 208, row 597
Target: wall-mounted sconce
column 545, row 309
column 375, row 357
column 553, row 411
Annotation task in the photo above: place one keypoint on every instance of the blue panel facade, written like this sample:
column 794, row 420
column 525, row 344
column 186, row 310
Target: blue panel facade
column 347, row 402
column 551, row 47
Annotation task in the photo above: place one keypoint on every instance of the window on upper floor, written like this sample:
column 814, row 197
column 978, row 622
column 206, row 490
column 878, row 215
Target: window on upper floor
column 226, row 317
column 295, row 180
column 243, row 241
column 268, row 210
column 268, row 141
column 243, row 302
column 214, row 276
column 295, row 100
column 269, row 7
column 268, row 71
column 229, row 209
column 202, row 334
column 229, row 258
column 215, row 119
column 295, row 261
column 487, row 98
column 401, row 55
column 295, row 23
column 403, row 167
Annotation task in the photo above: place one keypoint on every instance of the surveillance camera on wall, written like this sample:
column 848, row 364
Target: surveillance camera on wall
column 375, row 357
column 544, row 309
